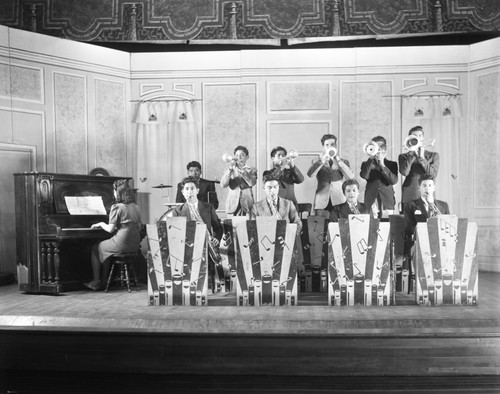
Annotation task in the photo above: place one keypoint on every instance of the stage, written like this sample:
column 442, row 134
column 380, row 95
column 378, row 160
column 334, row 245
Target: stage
column 116, row 341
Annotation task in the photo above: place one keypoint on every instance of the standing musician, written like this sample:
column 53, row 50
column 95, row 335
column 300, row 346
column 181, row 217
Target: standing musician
column 202, row 212
column 286, row 173
column 330, row 170
column 207, row 188
column 274, row 205
column 351, row 206
column 240, row 179
column 414, row 164
column 380, row 175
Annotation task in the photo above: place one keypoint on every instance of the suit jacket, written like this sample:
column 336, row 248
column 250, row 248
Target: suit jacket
column 330, row 179
column 342, row 211
column 205, row 188
column 379, row 182
column 286, row 209
column 239, row 195
column 413, row 168
column 287, row 179
column 207, row 213
column 415, row 212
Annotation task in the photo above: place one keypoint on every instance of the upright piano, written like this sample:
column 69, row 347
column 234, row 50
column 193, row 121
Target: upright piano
column 53, row 247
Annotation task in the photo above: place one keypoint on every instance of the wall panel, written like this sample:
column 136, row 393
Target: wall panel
column 70, row 118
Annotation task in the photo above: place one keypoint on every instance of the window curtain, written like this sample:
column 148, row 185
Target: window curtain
column 439, row 117
column 169, row 135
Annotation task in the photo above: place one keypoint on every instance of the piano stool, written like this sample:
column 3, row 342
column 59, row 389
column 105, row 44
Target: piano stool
column 125, row 261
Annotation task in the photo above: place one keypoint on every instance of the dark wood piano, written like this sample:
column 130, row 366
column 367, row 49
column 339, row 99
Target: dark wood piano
column 53, row 246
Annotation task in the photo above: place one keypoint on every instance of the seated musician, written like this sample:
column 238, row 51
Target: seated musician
column 125, row 219
column 207, row 189
column 420, row 210
column 273, row 205
column 287, row 174
column 240, row 179
column 425, row 207
column 202, row 212
column 352, row 206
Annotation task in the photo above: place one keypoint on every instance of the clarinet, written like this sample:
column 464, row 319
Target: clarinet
column 213, row 251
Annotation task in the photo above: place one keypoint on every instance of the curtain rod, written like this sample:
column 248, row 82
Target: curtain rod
column 166, row 101
column 425, row 95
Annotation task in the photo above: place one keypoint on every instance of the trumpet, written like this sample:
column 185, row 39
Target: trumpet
column 371, row 148
column 285, row 161
column 332, row 153
column 412, row 143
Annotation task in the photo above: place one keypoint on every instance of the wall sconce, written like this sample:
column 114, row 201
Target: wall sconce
column 418, row 113
column 152, row 118
column 183, row 116
column 447, row 111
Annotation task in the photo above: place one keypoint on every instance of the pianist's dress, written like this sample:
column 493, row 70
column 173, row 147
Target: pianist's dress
column 127, row 219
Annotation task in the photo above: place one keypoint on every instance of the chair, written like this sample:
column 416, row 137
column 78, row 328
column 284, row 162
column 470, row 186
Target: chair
column 304, row 207
column 125, row 262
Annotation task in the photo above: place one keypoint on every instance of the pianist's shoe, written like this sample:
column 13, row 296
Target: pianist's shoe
column 95, row 285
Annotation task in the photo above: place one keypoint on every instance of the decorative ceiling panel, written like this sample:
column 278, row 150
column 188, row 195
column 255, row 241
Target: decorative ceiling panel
column 173, row 20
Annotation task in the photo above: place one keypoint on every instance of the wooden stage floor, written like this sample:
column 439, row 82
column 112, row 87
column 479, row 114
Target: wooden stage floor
column 452, row 347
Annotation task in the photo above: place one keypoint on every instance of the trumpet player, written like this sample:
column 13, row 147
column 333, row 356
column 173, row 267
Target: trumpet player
column 240, row 179
column 414, row 164
column 380, row 175
column 285, row 172
column 330, row 171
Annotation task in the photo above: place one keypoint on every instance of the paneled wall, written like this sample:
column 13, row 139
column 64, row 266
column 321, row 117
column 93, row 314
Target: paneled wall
column 292, row 97
column 67, row 105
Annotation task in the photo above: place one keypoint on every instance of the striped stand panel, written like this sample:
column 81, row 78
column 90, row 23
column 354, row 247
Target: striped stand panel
column 359, row 268
column 313, row 255
column 177, row 262
column 266, row 262
column 446, row 267
column 225, row 273
column 401, row 264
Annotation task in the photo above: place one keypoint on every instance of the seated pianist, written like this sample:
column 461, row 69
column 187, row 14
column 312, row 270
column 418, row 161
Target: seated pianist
column 352, row 206
column 125, row 219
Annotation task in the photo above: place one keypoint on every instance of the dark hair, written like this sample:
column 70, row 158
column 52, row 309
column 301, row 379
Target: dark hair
column 381, row 139
column 277, row 149
column 416, row 128
column 328, row 137
column 268, row 177
column 189, row 179
column 124, row 194
column 240, row 147
column 349, row 182
column 193, row 164
column 426, row 177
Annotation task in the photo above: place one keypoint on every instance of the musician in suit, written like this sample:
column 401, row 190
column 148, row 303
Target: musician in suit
column 351, row 206
column 414, row 165
column 198, row 210
column 420, row 210
column 426, row 206
column 240, row 179
column 380, row 175
column 207, row 191
column 274, row 205
column 286, row 172
column 330, row 171
column 125, row 219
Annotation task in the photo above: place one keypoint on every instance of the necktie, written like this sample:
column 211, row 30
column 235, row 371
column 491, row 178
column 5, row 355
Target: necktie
column 274, row 209
column 433, row 209
column 354, row 208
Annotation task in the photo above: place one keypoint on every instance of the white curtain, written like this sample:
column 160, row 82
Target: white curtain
column 440, row 118
column 169, row 135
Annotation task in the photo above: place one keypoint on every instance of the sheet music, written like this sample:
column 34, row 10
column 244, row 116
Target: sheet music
column 85, row 205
